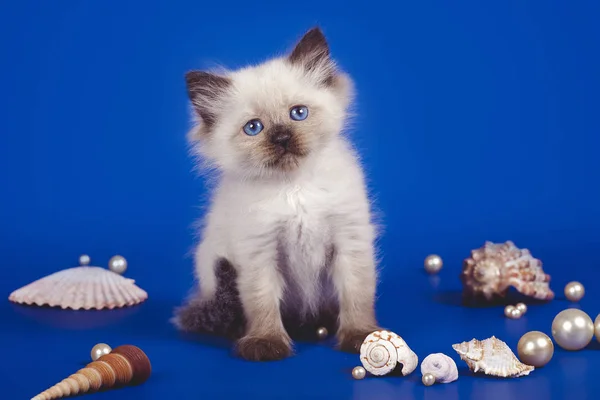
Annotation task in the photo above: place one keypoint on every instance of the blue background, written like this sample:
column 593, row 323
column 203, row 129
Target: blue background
column 478, row 121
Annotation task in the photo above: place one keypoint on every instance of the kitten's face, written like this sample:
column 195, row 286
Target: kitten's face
column 271, row 117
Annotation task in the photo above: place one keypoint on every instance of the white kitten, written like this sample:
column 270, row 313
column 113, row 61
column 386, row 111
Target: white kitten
column 288, row 243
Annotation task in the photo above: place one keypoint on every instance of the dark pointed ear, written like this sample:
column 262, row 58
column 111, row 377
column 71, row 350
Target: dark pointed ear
column 311, row 50
column 204, row 90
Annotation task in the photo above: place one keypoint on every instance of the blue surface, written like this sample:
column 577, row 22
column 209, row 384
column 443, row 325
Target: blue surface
column 478, row 121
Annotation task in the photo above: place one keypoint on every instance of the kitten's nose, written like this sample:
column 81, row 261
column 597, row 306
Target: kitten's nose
column 281, row 137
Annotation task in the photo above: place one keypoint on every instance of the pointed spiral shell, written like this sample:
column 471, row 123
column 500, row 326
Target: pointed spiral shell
column 493, row 357
column 124, row 365
column 382, row 351
column 441, row 366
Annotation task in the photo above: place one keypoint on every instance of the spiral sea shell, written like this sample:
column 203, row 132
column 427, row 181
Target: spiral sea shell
column 125, row 365
column 493, row 357
column 441, row 366
column 81, row 288
column 383, row 350
column 493, row 268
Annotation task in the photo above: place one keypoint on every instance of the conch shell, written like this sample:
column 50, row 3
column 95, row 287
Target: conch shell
column 383, row 350
column 124, row 365
column 493, row 268
column 493, row 357
column 81, row 288
column 441, row 366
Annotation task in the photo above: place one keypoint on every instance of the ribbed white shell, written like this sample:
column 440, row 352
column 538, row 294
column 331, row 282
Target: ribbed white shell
column 493, row 357
column 81, row 288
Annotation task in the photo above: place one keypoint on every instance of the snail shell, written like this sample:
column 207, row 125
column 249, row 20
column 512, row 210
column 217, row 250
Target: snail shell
column 441, row 366
column 382, row 351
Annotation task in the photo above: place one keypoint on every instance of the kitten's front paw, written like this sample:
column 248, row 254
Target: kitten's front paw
column 268, row 348
column 350, row 341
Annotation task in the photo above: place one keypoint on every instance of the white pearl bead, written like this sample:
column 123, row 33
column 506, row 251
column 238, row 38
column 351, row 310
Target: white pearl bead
column 521, row 307
column 359, row 373
column 508, row 311
column 322, row 333
column 597, row 327
column 99, row 350
column 574, row 291
column 512, row 312
column 117, row 264
column 84, row 259
column 515, row 313
column 572, row 329
column 535, row 348
column 428, row 379
column 433, row 264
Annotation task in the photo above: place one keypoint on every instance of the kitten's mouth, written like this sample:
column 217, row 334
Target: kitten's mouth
column 286, row 159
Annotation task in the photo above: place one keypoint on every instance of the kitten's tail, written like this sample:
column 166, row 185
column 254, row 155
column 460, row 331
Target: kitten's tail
column 222, row 315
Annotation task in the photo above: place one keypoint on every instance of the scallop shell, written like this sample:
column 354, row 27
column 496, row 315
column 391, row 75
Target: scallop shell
column 81, row 288
column 441, row 366
column 125, row 365
column 383, row 350
column 493, row 268
column 493, row 357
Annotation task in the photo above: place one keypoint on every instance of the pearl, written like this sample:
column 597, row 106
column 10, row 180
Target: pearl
column 535, row 348
column 428, row 379
column 117, row 264
column 359, row 373
column 597, row 327
column 322, row 333
column 512, row 312
column 515, row 313
column 572, row 329
column 521, row 307
column 433, row 264
column 99, row 350
column 84, row 259
column 574, row 291
column 508, row 311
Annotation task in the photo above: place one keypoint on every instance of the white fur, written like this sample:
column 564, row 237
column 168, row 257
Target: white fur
column 323, row 202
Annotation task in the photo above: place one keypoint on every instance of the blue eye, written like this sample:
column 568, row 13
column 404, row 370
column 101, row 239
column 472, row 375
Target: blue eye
column 253, row 127
column 299, row 113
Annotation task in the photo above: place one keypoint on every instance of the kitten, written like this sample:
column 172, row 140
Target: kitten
column 288, row 243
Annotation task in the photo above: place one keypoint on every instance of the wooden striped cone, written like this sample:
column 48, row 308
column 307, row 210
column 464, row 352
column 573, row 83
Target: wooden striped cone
column 125, row 365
